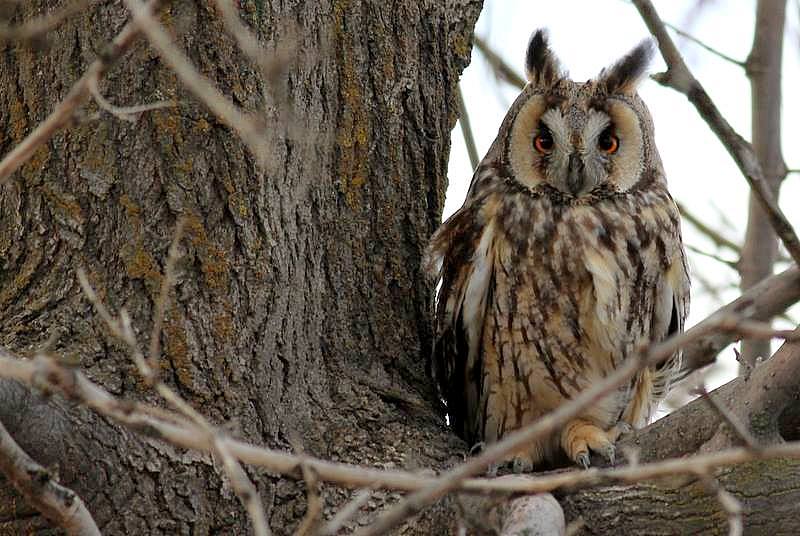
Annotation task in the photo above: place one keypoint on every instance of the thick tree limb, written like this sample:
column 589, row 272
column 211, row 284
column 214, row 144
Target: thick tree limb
column 766, row 300
column 56, row 502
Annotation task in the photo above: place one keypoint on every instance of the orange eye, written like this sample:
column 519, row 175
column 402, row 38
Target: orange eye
column 543, row 142
column 608, row 142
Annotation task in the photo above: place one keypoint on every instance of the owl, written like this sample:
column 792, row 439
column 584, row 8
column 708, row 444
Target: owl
column 564, row 260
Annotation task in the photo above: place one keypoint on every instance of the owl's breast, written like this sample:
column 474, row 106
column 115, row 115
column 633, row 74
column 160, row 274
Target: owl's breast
column 587, row 276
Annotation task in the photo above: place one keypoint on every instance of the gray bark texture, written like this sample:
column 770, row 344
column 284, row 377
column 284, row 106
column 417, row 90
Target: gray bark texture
column 300, row 310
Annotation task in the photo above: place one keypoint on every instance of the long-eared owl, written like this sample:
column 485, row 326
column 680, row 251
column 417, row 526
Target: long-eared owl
column 565, row 259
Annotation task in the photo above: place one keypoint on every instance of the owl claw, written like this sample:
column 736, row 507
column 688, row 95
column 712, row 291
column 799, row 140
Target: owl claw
column 609, row 452
column 581, row 436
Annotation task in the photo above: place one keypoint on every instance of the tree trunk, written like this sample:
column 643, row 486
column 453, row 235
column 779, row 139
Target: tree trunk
column 764, row 70
column 300, row 310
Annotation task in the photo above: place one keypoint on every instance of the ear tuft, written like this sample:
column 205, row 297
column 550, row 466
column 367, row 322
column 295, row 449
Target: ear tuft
column 625, row 75
column 541, row 65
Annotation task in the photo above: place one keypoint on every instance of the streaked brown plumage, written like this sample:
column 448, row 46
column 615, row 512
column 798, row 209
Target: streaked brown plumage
column 565, row 257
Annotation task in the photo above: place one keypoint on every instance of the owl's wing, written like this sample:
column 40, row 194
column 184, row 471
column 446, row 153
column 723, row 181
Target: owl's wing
column 459, row 253
column 670, row 315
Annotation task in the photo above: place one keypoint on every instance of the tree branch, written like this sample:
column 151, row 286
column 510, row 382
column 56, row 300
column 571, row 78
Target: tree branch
column 499, row 66
column 244, row 125
column 703, row 45
column 76, row 96
column 681, row 79
column 762, row 302
column 37, row 28
column 710, row 233
column 57, row 503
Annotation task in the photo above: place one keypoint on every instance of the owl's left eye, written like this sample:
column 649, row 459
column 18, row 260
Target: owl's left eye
column 543, row 142
column 608, row 142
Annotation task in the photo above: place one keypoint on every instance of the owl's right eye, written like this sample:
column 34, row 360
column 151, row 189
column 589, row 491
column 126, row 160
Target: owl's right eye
column 543, row 142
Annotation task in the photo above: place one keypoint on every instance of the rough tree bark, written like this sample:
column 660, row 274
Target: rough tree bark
column 300, row 310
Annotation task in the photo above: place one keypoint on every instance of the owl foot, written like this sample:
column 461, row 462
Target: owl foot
column 580, row 436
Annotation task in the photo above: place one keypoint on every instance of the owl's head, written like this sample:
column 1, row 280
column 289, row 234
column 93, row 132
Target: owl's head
column 578, row 137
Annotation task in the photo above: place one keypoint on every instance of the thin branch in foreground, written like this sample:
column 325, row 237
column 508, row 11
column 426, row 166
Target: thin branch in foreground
column 124, row 113
column 499, row 66
column 703, row 45
column 466, row 130
column 346, row 512
column 730, row 505
column 79, row 92
column 314, row 503
column 148, row 368
column 680, row 78
column 167, row 282
column 37, row 28
column 243, row 124
column 45, row 373
column 710, row 233
column 57, row 503
column 268, row 64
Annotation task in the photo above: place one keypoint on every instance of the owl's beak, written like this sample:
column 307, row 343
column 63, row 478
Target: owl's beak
column 576, row 178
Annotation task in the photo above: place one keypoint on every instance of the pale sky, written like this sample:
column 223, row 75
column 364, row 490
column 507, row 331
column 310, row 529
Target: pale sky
column 588, row 35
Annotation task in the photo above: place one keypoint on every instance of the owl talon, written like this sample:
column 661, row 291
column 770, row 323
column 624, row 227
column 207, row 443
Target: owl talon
column 609, row 452
column 580, row 436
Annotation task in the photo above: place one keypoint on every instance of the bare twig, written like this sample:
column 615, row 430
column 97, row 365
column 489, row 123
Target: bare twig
column 500, row 67
column 167, row 282
column 466, row 130
column 710, row 233
column 125, row 113
column 346, row 512
column 681, row 79
column 76, row 96
column 726, row 262
column 313, row 501
column 729, row 504
column 37, row 28
column 45, row 373
column 268, row 64
column 57, row 503
column 762, row 302
column 244, row 125
column 703, row 45
column 148, row 368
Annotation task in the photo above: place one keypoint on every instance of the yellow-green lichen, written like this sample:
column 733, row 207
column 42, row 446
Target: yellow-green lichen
column 353, row 131
column 213, row 261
